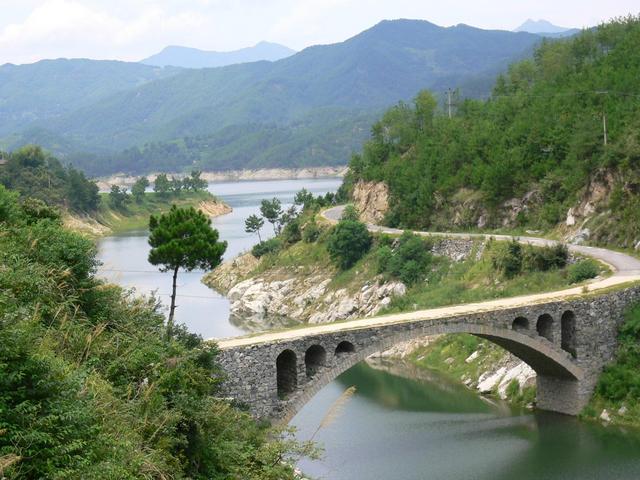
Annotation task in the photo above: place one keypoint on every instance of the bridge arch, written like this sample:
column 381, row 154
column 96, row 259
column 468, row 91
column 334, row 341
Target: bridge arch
column 262, row 371
column 344, row 347
column 520, row 324
column 568, row 340
column 315, row 358
column 286, row 373
column 544, row 326
column 541, row 355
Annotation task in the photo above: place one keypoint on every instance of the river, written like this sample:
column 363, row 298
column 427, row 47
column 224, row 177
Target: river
column 399, row 425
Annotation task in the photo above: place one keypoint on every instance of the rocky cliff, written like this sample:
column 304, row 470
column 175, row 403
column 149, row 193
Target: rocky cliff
column 371, row 199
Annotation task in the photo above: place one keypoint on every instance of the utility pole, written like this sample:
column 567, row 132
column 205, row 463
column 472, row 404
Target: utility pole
column 604, row 116
column 449, row 102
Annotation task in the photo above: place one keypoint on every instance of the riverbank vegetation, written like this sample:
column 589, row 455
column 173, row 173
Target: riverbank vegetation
column 90, row 385
column 134, row 215
column 532, row 151
column 617, row 396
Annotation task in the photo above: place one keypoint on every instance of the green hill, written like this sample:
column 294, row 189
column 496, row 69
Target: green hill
column 41, row 91
column 196, row 115
column 535, row 149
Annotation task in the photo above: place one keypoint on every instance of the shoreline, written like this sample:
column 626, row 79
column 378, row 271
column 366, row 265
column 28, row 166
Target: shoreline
column 108, row 221
column 245, row 175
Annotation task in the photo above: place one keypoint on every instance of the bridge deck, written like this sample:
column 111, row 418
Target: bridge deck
column 626, row 269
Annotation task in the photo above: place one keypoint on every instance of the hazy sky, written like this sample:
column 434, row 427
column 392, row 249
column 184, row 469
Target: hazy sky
column 133, row 29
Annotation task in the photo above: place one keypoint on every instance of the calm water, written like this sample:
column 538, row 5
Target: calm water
column 397, row 428
column 205, row 312
column 400, row 425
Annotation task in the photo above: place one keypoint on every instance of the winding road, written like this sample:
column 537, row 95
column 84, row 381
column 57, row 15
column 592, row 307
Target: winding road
column 625, row 268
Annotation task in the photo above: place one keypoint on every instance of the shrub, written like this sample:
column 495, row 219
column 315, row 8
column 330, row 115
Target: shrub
column 348, row 243
column 350, row 213
column 310, row 232
column 383, row 257
column 583, row 270
column 508, row 259
column 291, row 232
column 408, row 262
column 621, row 380
column 542, row 259
column 264, row 248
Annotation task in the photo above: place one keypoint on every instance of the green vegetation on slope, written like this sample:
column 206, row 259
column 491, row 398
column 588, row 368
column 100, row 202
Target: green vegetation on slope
column 90, row 386
column 618, row 389
column 312, row 108
column 432, row 280
column 135, row 215
column 541, row 132
column 37, row 175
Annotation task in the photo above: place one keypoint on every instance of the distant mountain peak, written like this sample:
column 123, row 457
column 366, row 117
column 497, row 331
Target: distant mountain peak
column 540, row 26
column 187, row 57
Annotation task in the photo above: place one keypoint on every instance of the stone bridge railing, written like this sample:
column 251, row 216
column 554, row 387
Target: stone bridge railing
column 567, row 342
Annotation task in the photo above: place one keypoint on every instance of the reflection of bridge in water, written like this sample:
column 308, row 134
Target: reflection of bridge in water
column 566, row 337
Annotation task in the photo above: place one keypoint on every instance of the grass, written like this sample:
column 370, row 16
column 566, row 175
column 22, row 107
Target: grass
column 135, row 216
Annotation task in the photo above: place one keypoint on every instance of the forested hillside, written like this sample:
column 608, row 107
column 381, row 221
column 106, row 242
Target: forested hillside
column 287, row 111
column 43, row 180
column 91, row 387
column 533, row 150
column 31, row 95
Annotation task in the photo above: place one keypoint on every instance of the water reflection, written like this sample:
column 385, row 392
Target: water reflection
column 400, row 426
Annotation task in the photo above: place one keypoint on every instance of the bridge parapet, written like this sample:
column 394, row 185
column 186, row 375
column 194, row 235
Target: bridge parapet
column 567, row 342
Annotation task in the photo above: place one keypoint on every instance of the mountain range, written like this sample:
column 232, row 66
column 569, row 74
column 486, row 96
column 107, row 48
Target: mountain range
column 546, row 29
column 312, row 108
column 177, row 56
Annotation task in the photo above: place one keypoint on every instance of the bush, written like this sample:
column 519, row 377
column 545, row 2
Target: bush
column 408, row 262
column 266, row 247
column 350, row 213
column 311, row 232
column 542, row 259
column 583, row 270
column 620, row 381
column 291, row 232
column 508, row 259
column 383, row 258
column 348, row 243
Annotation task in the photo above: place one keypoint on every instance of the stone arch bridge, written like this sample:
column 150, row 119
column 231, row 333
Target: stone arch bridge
column 567, row 343
column 567, row 337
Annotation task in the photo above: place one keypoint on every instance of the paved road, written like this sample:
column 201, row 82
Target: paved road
column 625, row 269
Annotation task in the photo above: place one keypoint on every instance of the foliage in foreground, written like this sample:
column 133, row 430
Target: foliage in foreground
column 91, row 388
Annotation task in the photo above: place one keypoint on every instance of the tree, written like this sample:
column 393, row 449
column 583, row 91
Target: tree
column 139, row 188
column 253, row 224
column 271, row 211
column 350, row 213
column 183, row 238
column 304, row 198
column 194, row 182
column 162, row 186
column 348, row 243
column 175, row 185
column 118, row 197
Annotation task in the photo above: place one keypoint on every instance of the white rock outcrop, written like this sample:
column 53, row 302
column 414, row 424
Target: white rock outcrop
column 308, row 299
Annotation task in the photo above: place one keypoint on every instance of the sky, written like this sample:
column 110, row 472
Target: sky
column 130, row 30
